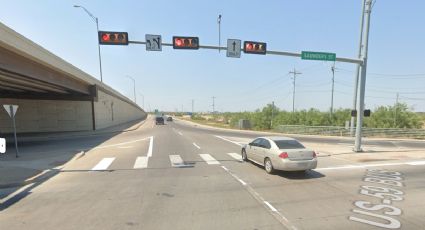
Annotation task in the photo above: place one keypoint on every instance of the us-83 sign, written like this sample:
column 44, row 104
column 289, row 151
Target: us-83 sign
column 153, row 42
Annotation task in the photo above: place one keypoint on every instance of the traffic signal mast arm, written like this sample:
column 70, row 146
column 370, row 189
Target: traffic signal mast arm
column 281, row 53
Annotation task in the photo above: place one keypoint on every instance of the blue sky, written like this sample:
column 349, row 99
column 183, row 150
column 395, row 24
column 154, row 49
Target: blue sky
column 170, row 79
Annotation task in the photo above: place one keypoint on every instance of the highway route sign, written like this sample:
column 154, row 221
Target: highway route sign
column 234, row 48
column 153, row 42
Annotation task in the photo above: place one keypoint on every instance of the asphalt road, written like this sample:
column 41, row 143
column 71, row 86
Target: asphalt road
column 179, row 176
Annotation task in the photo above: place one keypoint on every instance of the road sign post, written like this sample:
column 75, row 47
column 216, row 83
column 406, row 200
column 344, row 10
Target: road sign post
column 234, row 48
column 318, row 56
column 2, row 145
column 11, row 110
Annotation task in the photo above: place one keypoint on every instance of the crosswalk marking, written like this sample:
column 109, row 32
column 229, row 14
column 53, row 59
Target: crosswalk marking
column 103, row 164
column 176, row 161
column 236, row 156
column 141, row 163
column 209, row 159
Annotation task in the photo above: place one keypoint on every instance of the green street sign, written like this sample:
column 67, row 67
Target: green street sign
column 320, row 56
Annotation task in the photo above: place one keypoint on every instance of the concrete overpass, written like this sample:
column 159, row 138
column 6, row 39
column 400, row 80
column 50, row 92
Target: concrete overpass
column 52, row 94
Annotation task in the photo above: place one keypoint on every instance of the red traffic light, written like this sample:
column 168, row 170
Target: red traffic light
column 191, row 43
column 255, row 47
column 113, row 38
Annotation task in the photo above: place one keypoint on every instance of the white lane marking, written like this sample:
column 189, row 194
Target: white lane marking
column 413, row 163
column 209, row 159
column 141, row 162
column 194, row 144
column 279, row 216
column 234, row 142
column 15, row 193
column 123, row 143
column 270, row 206
column 416, row 163
column 236, row 156
column 176, row 161
column 38, row 175
column 150, row 147
column 125, row 147
column 181, row 134
column 103, row 164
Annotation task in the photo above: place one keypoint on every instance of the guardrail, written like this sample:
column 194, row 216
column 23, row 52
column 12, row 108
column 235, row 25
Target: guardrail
column 342, row 131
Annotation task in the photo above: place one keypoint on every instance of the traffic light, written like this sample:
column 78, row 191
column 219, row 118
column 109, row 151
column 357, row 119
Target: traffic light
column 254, row 47
column 113, row 38
column 366, row 113
column 354, row 113
column 190, row 43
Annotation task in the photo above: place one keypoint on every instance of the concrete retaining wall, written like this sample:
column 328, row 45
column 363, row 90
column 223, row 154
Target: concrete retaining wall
column 110, row 111
column 47, row 116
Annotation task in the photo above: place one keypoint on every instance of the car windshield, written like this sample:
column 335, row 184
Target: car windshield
column 289, row 144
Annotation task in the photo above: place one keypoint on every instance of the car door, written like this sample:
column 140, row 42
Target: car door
column 261, row 153
column 252, row 149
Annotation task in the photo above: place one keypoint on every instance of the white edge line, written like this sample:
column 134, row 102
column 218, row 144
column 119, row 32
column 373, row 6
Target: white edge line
column 234, row 142
column 270, row 206
column 181, row 134
column 242, row 182
column 15, row 193
column 150, row 147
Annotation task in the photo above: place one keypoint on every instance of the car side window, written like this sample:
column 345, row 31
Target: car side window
column 256, row 142
column 265, row 144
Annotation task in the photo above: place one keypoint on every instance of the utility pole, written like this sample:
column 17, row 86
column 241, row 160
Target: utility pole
column 395, row 113
column 213, row 105
column 333, row 85
column 295, row 73
column 193, row 103
column 357, row 76
column 271, row 120
column 360, row 106
column 219, row 32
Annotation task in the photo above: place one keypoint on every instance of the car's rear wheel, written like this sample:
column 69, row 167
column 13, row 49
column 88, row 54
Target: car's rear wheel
column 268, row 166
column 244, row 156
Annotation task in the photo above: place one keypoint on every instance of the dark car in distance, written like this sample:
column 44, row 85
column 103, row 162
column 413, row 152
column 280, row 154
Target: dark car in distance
column 169, row 118
column 159, row 120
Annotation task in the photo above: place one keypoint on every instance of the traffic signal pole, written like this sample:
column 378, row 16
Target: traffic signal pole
column 360, row 106
column 357, row 76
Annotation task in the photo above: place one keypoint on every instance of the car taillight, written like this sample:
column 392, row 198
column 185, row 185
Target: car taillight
column 283, row 155
column 314, row 154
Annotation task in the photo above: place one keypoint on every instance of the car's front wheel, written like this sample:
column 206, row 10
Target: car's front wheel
column 244, row 156
column 268, row 166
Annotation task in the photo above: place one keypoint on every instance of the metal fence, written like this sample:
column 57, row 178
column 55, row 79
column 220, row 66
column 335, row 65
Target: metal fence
column 343, row 131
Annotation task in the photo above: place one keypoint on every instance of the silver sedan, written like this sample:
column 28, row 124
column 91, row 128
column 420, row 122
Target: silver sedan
column 279, row 153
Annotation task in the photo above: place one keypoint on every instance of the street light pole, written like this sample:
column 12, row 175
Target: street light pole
column 96, row 20
column 134, row 87
column 219, row 32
